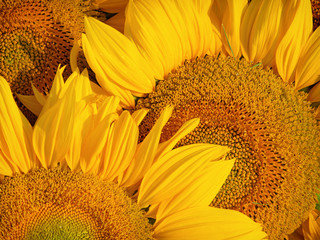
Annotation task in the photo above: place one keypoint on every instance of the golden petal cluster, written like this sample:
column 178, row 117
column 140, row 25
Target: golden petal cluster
column 164, row 35
column 80, row 172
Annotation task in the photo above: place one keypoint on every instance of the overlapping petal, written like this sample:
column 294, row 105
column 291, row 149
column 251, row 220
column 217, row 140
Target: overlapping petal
column 208, row 223
column 16, row 154
column 166, row 36
column 185, row 162
column 308, row 67
column 226, row 17
column 260, row 29
column 297, row 19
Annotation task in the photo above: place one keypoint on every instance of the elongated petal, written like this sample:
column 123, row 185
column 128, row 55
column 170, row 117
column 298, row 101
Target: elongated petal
column 146, row 152
column 299, row 30
column 176, row 170
column 207, row 223
column 314, row 94
column 94, row 143
column 139, row 115
column 115, row 53
column 117, row 21
column 311, row 228
column 110, row 88
column 31, row 103
column 186, row 128
column 82, row 125
column 226, row 17
column 39, row 96
column 53, row 131
column 260, row 29
column 168, row 32
column 15, row 134
column 308, row 67
column 201, row 192
column 108, row 106
column 121, row 147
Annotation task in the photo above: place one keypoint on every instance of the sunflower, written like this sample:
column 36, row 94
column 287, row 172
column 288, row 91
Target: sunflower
column 80, row 173
column 237, row 67
column 37, row 36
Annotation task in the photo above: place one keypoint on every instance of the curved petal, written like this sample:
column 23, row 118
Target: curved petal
column 110, row 88
column 53, row 131
column 139, row 115
column 145, row 153
column 260, row 28
column 208, row 223
column 201, row 192
column 31, row 103
column 15, row 135
column 168, row 32
column 176, row 170
column 311, row 228
column 121, row 147
column 308, row 67
column 186, row 128
column 121, row 62
column 226, row 17
column 94, row 143
column 297, row 17
column 117, row 21
column 314, row 94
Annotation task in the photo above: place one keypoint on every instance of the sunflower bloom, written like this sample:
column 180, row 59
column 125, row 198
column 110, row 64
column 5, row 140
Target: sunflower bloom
column 73, row 174
column 187, row 55
column 37, row 36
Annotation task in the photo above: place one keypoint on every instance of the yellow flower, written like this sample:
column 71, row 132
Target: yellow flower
column 188, row 54
column 80, row 173
column 37, row 36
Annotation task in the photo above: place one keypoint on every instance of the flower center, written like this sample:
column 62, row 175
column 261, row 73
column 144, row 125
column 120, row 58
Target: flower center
column 269, row 127
column 35, row 37
column 60, row 204
column 315, row 13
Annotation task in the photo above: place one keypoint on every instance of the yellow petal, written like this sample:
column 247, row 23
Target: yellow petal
column 108, row 106
column 201, row 192
column 299, row 30
column 15, row 134
column 117, row 21
column 53, row 131
column 176, row 170
column 111, row 6
column 74, row 56
column 121, row 148
column 6, row 168
column 311, row 228
column 228, row 13
column 139, row 115
column 207, row 223
column 41, row 99
column 82, row 125
column 115, row 53
column 308, row 67
column 314, row 94
column 94, row 143
column 186, row 128
column 146, row 152
column 110, row 88
column 168, row 32
column 260, row 28
column 31, row 103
